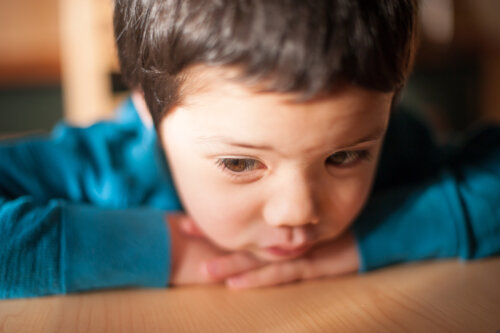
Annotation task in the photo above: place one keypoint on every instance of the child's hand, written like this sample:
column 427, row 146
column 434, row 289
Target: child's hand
column 190, row 250
column 336, row 257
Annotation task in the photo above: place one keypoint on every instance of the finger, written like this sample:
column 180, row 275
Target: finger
column 233, row 264
column 270, row 275
column 334, row 258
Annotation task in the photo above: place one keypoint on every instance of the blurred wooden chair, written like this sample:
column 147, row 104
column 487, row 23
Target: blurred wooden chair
column 88, row 60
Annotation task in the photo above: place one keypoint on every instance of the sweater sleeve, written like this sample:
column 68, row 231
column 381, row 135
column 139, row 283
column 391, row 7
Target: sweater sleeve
column 83, row 209
column 452, row 210
column 59, row 247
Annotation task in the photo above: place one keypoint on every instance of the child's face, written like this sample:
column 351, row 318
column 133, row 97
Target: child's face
column 260, row 172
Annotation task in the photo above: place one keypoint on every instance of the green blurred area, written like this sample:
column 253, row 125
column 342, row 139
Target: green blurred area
column 29, row 109
column 446, row 95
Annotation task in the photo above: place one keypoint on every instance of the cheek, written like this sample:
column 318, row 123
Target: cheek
column 225, row 215
column 223, row 218
column 354, row 198
column 357, row 189
column 348, row 198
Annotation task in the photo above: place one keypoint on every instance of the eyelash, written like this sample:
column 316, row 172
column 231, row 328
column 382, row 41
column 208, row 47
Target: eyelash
column 353, row 158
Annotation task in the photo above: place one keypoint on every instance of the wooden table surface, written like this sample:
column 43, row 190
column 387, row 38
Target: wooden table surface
column 446, row 296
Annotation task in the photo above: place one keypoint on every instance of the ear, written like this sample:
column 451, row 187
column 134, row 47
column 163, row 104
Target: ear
column 142, row 108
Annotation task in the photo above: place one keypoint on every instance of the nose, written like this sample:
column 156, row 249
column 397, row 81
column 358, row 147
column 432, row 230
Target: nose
column 292, row 203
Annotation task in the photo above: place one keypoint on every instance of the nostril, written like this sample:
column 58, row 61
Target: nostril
column 292, row 206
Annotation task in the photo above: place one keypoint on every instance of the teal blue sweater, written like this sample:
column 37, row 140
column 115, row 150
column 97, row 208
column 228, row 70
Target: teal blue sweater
column 85, row 208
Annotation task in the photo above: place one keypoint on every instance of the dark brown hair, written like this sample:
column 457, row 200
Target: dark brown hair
column 300, row 46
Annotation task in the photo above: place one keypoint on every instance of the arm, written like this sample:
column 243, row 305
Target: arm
column 60, row 247
column 83, row 209
column 451, row 211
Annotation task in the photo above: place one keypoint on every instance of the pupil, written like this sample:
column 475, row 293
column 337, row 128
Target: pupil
column 339, row 158
column 237, row 165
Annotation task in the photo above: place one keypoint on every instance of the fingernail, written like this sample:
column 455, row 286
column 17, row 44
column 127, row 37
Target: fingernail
column 235, row 283
column 210, row 269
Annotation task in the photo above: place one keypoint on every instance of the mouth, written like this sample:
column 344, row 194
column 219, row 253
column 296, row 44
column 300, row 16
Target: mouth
column 284, row 252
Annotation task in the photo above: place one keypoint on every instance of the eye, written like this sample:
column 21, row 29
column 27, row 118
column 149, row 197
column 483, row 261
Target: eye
column 347, row 158
column 238, row 165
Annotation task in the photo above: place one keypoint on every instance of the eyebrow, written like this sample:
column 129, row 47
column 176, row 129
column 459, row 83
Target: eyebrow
column 229, row 141
column 373, row 136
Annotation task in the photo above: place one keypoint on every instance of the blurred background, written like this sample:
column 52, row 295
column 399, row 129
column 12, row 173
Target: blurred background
column 57, row 61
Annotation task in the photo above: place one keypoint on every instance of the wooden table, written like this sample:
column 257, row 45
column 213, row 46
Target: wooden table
column 447, row 296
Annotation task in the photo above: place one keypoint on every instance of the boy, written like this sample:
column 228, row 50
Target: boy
column 271, row 115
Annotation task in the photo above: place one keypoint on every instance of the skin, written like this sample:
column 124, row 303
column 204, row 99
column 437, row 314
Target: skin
column 273, row 182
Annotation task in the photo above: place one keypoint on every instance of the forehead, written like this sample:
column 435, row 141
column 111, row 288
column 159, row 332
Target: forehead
column 221, row 85
column 215, row 104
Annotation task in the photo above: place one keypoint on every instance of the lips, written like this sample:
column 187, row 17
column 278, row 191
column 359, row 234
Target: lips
column 287, row 252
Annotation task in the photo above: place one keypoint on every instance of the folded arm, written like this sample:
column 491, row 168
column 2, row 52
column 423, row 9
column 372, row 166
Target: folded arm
column 83, row 210
column 454, row 211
